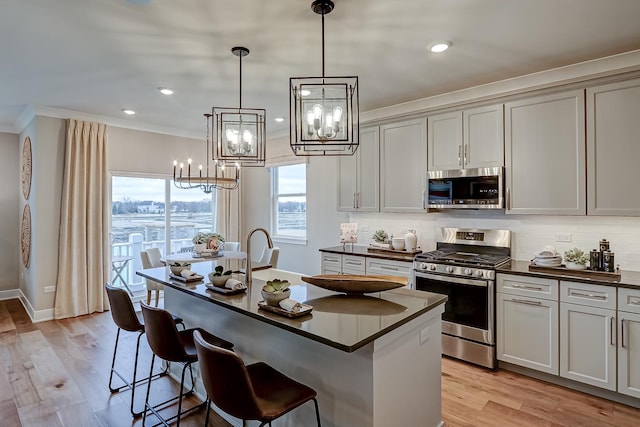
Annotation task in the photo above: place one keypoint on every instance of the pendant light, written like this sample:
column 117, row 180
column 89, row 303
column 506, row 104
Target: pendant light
column 324, row 111
column 239, row 133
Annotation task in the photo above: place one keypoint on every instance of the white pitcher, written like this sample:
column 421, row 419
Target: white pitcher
column 410, row 241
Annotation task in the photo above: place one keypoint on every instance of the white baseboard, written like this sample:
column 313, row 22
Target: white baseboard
column 35, row 316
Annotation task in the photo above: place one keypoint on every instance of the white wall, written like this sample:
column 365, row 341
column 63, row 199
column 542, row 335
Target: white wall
column 10, row 192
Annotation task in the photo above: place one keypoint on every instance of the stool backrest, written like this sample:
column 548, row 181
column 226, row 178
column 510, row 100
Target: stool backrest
column 122, row 311
column 270, row 256
column 232, row 246
column 155, row 257
column 162, row 334
column 226, row 380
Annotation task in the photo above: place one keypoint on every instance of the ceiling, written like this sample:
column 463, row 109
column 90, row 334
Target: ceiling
column 99, row 57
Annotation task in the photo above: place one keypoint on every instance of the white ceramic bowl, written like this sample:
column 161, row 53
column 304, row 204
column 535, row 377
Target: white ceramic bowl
column 397, row 243
column 218, row 280
column 177, row 267
column 273, row 298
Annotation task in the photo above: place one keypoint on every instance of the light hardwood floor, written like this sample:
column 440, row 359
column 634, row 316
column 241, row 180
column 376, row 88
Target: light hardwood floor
column 56, row 373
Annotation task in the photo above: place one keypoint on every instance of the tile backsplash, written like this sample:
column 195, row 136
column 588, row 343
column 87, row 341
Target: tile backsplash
column 530, row 233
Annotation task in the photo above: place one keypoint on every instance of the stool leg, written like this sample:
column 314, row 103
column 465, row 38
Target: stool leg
column 134, row 381
column 113, row 364
column 146, row 400
column 157, row 296
column 206, row 418
column 148, row 297
column 315, row 402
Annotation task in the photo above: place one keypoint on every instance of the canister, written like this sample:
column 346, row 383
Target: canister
column 595, row 260
column 608, row 263
column 604, row 245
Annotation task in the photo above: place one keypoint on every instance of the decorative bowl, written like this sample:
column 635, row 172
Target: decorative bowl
column 218, row 280
column 273, row 298
column 575, row 266
column 356, row 284
column 177, row 266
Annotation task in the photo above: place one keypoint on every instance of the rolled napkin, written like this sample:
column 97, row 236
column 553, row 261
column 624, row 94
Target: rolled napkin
column 290, row 305
column 381, row 245
column 234, row 284
column 188, row 273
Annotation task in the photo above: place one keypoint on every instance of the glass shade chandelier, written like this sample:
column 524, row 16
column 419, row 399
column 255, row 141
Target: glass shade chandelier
column 215, row 176
column 324, row 111
column 239, row 133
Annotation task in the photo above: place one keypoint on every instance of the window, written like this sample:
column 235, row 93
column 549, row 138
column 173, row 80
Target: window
column 289, row 202
column 140, row 220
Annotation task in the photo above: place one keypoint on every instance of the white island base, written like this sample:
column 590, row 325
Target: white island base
column 392, row 381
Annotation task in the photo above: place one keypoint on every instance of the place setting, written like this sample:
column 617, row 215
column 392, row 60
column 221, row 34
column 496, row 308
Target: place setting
column 222, row 282
column 276, row 294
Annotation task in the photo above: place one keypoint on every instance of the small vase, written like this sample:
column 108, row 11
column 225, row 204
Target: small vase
column 575, row 266
column 410, row 241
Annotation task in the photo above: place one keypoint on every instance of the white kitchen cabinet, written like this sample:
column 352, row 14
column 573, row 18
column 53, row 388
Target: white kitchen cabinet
column 527, row 322
column 629, row 341
column 331, row 263
column 613, row 149
column 389, row 267
column 545, row 155
column 358, row 175
column 472, row 138
column 353, row 264
column 403, row 165
column 588, row 334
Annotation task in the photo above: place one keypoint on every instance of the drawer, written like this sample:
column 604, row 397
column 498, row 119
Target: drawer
column 389, row 267
column 629, row 300
column 534, row 287
column 333, row 261
column 588, row 294
column 353, row 264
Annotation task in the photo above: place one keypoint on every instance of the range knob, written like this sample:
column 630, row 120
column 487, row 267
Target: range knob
column 467, row 271
column 479, row 273
column 491, row 274
column 432, row 267
column 423, row 266
column 449, row 269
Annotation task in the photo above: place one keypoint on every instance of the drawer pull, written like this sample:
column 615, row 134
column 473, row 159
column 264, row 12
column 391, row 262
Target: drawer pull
column 385, row 267
column 622, row 332
column 353, row 263
column 634, row 301
column 587, row 295
column 524, row 301
column 531, row 288
column 611, row 325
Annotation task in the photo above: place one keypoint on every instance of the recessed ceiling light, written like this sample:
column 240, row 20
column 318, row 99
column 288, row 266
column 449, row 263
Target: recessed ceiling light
column 165, row 91
column 129, row 112
column 279, row 119
column 305, row 92
column 440, row 46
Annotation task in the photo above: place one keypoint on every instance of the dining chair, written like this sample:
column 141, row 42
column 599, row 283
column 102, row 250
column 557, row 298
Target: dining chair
column 125, row 318
column 270, row 256
column 171, row 345
column 249, row 392
column 232, row 246
column 151, row 258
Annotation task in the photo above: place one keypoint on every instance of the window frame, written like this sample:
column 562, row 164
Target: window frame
column 276, row 195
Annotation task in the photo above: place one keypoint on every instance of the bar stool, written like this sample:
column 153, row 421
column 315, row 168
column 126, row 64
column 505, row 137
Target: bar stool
column 125, row 318
column 249, row 392
column 171, row 345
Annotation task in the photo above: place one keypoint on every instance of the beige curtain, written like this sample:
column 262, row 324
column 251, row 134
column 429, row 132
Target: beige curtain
column 83, row 252
column 228, row 213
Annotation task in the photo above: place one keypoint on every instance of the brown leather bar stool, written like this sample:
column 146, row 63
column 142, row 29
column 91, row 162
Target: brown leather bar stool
column 249, row 392
column 125, row 318
column 171, row 345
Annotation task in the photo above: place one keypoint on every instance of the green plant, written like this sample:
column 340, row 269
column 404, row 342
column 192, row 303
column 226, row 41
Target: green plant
column 204, row 237
column 276, row 285
column 219, row 271
column 577, row 256
column 380, row 236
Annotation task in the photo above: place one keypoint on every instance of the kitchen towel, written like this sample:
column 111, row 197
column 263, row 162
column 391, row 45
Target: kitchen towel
column 188, row 273
column 290, row 305
column 234, row 284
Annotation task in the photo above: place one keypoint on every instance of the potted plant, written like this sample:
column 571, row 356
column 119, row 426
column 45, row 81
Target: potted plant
column 576, row 259
column 275, row 291
column 207, row 240
column 380, row 236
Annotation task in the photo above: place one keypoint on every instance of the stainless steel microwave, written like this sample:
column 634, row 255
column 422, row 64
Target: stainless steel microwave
column 480, row 188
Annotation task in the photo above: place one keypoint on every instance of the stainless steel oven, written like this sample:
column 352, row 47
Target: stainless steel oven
column 463, row 268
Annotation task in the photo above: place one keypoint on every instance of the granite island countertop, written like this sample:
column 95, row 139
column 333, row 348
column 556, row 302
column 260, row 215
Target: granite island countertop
column 629, row 279
column 341, row 321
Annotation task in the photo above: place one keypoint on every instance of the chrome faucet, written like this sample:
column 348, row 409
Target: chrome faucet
column 247, row 269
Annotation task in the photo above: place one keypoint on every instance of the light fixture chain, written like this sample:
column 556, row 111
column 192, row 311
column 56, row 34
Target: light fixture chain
column 240, row 80
column 323, row 46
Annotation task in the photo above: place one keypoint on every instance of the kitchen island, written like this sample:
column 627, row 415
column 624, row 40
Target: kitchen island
column 374, row 360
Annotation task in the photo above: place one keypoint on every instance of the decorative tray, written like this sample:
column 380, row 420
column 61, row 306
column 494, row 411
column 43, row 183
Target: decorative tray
column 394, row 251
column 195, row 278
column 586, row 274
column 224, row 291
column 355, row 283
column 306, row 309
column 207, row 255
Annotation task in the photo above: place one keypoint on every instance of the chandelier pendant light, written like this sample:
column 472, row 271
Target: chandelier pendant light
column 324, row 111
column 216, row 176
column 239, row 133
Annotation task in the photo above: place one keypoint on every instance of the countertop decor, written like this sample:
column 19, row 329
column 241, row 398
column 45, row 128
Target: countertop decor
column 356, row 284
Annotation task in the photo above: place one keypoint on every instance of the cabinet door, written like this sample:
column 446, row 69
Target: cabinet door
column 331, row 263
column 445, row 141
column 545, row 155
column 483, row 137
column 527, row 332
column 629, row 354
column 613, row 149
column 358, row 175
column 588, row 345
column 403, row 166
column 347, row 172
column 353, row 264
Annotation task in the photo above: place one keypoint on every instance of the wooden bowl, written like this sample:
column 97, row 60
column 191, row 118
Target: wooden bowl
column 356, row 284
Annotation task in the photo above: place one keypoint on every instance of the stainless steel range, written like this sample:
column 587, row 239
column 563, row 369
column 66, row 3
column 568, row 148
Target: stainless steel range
column 463, row 267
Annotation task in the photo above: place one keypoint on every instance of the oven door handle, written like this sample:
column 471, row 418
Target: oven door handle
column 453, row 279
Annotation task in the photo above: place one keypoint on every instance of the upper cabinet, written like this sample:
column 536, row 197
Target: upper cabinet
column 545, row 155
column 403, row 165
column 613, row 148
column 358, row 175
column 471, row 138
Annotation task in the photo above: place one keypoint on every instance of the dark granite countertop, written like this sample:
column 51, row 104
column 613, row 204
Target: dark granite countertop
column 341, row 321
column 360, row 250
column 629, row 279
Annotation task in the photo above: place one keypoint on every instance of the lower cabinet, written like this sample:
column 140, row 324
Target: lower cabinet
column 352, row 264
column 527, row 322
column 388, row 267
column 629, row 341
column 333, row 263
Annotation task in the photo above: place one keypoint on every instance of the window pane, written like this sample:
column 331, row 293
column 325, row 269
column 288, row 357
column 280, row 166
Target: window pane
column 292, row 179
column 292, row 216
column 191, row 211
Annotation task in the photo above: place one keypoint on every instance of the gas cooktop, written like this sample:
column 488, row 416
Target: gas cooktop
column 464, row 258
